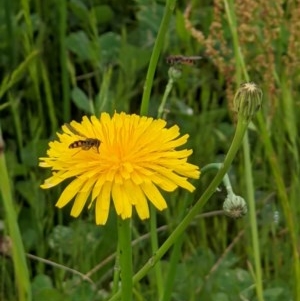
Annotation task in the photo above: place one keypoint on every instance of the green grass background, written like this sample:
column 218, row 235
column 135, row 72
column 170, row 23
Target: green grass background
column 61, row 60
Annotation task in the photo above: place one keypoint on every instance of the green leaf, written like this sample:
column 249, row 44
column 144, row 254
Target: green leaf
column 41, row 282
column 84, row 291
column 133, row 59
column 81, row 100
column 109, row 45
column 79, row 9
column 274, row 293
column 103, row 98
column 50, row 295
column 180, row 27
column 79, row 43
column 102, row 13
column 42, row 288
column 220, row 297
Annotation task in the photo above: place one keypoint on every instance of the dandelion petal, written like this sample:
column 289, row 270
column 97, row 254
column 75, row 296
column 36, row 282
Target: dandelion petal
column 103, row 204
column 70, row 191
column 154, row 195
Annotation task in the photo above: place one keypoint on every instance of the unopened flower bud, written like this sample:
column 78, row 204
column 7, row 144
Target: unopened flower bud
column 247, row 100
column 174, row 73
column 234, row 206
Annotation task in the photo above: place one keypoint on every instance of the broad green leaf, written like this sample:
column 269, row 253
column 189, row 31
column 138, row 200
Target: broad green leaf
column 79, row 43
column 102, row 14
column 81, row 100
column 109, row 45
column 79, row 9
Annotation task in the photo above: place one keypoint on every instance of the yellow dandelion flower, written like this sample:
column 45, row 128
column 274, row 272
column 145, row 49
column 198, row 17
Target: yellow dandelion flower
column 124, row 158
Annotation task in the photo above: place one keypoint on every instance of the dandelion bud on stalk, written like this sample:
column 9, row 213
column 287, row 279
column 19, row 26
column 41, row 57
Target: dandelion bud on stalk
column 174, row 73
column 247, row 100
column 234, row 206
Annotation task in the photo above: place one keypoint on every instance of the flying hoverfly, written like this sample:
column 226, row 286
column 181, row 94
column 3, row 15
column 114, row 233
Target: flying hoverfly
column 84, row 144
column 182, row 60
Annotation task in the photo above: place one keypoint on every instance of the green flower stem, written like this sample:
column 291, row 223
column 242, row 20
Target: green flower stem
column 18, row 252
column 154, row 245
column 235, row 145
column 241, row 69
column 253, row 219
column 125, row 257
column 116, row 279
column 165, row 96
column 170, row 5
column 226, row 180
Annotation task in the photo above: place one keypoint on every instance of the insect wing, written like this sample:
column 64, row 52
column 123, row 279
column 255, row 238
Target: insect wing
column 190, row 60
column 183, row 60
column 73, row 130
column 194, row 58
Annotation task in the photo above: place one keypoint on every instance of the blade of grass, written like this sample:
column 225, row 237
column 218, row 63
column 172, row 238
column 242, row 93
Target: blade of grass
column 64, row 60
column 10, row 33
column 18, row 252
column 155, row 55
column 284, row 200
column 241, row 69
column 49, row 99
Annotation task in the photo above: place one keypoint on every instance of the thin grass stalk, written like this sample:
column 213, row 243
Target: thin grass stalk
column 161, row 289
column 18, row 252
column 27, row 17
column 284, row 200
column 173, row 264
column 279, row 183
column 10, row 33
column 153, row 212
column 64, row 60
column 170, row 5
column 175, row 256
column 289, row 117
column 28, row 46
column 49, row 99
column 125, row 258
column 288, row 210
column 14, row 107
column 241, row 69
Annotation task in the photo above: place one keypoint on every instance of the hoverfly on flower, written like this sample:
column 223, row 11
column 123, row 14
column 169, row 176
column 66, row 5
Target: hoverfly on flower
column 85, row 144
